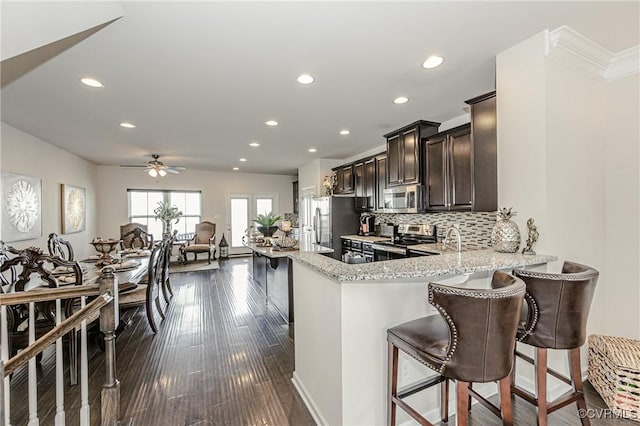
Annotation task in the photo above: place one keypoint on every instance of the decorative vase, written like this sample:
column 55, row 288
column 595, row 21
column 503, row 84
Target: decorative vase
column 166, row 228
column 267, row 231
column 505, row 237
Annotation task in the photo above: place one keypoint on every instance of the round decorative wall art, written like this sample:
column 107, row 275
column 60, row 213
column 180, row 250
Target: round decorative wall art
column 23, row 206
column 75, row 208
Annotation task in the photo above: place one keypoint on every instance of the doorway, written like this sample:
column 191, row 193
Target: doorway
column 241, row 210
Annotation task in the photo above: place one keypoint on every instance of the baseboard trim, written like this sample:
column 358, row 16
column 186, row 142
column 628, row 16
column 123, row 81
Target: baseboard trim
column 308, row 401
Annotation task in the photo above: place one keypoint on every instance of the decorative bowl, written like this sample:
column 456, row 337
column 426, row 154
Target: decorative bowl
column 285, row 242
column 267, row 231
column 104, row 247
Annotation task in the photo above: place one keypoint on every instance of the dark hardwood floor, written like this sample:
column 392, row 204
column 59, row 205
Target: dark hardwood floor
column 221, row 357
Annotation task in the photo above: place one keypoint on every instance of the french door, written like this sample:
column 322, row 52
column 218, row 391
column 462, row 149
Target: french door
column 241, row 210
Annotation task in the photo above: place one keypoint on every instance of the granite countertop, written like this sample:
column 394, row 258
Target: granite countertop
column 301, row 247
column 441, row 248
column 370, row 239
column 418, row 267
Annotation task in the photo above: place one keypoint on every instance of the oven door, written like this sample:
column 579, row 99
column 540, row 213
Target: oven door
column 388, row 253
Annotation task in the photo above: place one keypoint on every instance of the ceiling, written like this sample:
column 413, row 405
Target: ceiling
column 200, row 79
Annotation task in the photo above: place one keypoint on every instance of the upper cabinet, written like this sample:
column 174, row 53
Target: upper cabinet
column 404, row 154
column 365, row 184
column 381, row 180
column 460, row 164
column 345, row 181
column 296, row 195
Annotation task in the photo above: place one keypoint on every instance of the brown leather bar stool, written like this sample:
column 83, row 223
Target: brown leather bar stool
column 471, row 341
column 557, row 309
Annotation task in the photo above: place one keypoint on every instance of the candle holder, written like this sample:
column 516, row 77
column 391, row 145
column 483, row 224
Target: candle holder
column 104, row 247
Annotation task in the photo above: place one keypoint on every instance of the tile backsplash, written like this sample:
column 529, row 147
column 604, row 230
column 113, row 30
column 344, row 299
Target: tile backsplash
column 293, row 218
column 475, row 228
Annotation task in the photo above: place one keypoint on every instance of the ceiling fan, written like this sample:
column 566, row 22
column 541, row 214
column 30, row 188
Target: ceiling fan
column 157, row 168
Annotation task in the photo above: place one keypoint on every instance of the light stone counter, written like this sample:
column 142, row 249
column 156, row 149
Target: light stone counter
column 418, row 267
column 301, row 247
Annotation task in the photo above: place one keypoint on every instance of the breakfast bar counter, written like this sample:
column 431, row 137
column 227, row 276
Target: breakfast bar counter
column 343, row 312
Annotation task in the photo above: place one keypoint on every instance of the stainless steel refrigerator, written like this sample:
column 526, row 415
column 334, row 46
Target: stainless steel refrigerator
column 334, row 217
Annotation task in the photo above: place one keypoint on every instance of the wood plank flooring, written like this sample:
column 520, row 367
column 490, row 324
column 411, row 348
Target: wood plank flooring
column 221, row 357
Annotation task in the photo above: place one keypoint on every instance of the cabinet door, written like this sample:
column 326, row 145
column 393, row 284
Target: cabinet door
column 393, row 161
column 381, row 181
column 339, row 182
column 295, row 197
column 410, row 167
column 435, row 154
column 358, row 171
column 347, row 179
column 370, row 189
column 260, row 272
column 459, row 147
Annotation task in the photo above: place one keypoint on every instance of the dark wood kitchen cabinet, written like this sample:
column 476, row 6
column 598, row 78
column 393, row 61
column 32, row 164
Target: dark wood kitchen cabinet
column 260, row 271
column 296, row 197
column 404, row 153
column 344, row 179
column 381, row 180
column 280, row 285
column 460, row 164
column 365, row 184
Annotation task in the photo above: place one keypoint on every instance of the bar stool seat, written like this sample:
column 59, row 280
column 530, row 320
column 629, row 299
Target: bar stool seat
column 472, row 340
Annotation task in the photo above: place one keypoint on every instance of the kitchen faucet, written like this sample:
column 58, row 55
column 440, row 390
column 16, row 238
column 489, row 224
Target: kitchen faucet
column 447, row 238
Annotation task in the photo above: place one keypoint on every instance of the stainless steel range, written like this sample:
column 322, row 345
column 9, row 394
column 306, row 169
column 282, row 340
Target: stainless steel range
column 407, row 235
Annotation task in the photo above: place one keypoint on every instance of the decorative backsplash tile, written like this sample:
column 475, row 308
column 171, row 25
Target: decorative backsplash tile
column 475, row 228
column 293, row 218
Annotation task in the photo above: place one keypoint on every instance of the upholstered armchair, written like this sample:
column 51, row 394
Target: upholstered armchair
column 204, row 241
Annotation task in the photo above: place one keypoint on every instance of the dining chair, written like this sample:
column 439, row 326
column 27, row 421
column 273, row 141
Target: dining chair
column 135, row 236
column 22, row 266
column 60, row 247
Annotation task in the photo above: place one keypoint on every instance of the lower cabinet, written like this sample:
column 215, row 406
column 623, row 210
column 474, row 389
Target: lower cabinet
column 280, row 286
column 274, row 277
column 260, row 271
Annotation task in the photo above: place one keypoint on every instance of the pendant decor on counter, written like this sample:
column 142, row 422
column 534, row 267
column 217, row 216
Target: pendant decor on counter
column 532, row 237
column 505, row 237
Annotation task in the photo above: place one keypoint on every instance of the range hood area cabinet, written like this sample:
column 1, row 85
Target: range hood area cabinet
column 404, row 154
column 460, row 170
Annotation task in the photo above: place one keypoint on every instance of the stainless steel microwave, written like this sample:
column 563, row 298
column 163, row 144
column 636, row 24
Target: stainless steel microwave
column 403, row 199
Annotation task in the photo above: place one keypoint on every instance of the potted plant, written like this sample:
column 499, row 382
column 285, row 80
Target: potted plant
column 167, row 214
column 267, row 223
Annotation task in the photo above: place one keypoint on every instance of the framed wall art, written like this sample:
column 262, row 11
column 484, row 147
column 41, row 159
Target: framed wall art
column 74, row 209
column 21, row 207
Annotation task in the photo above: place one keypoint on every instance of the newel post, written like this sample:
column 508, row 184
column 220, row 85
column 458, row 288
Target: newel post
column 109, row 316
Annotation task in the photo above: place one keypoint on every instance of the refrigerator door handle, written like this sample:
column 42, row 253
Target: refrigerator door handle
column 316, row 225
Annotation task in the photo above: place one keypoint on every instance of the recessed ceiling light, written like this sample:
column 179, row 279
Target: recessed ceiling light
column 305, row 79
column 312, row 150
column 344, row 132
column 433, row 61
column 127, row 125
column 271, row 123
column 243, row 160
column 254, row 144
column 401, row 100
column 91, row 82
column 236, row 169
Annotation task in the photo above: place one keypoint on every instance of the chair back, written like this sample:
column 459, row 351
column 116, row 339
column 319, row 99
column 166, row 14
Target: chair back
column 205, row 231
column 32, row 260
column 135, row 236
column 558, row 306
column 59, row 247
column 482, row 327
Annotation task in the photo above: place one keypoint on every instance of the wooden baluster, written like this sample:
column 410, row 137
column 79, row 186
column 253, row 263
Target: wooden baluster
column 33, row 379
column 109, row 316
column 85, row 414
column 5, row 335
column 60, row 417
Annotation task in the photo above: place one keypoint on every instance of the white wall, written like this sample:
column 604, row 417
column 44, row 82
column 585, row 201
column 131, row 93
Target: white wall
column 568, row 156
column 311, row 174
column 114, row 182
column 25, row 154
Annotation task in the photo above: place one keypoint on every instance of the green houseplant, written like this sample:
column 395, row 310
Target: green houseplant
column 267, row 223
column 167, row 214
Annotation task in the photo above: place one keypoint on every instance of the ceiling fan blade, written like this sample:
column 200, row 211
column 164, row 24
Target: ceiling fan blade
column 129, row 165
column 175, row 170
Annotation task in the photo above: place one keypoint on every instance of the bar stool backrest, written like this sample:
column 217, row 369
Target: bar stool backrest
column 482, row 327
column 557, row 306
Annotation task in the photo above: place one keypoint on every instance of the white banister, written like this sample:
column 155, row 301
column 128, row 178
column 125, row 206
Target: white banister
column 85, row 418
column 4, row 356
column 60, row 417
column 33, row 379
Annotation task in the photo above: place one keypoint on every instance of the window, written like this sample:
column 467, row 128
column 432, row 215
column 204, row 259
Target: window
column 142, row 203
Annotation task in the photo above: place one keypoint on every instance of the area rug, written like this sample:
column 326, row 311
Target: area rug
column 191, row 266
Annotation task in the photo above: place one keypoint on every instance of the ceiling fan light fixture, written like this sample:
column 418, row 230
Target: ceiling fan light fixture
column 162, row 173
column 153, row 172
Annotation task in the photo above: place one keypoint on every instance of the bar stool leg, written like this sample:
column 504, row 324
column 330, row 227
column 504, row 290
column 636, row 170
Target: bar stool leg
column 505, row 401
column 444, row 401
column 576, row 378
column 462, row 402
column 392, row 384
column 541, row 385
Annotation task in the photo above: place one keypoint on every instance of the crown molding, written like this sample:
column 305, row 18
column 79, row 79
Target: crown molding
column 571, row 48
